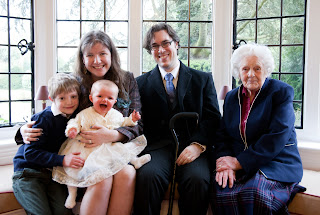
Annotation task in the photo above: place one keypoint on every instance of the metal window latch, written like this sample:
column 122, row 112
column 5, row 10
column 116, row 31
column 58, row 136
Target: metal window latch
column 24, row 46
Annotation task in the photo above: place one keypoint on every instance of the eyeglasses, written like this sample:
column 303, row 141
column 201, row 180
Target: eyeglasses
column 155, row 47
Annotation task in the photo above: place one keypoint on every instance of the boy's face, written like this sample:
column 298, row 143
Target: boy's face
column 67, row 102
column 103, row 99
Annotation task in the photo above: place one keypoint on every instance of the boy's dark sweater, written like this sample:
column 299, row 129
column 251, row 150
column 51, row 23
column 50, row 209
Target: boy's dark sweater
column 44, row 152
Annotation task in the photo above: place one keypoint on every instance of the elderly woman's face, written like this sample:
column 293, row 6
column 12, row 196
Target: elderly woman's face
column 252, row 74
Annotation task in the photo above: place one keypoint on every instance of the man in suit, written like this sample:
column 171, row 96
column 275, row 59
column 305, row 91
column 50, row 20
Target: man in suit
column 187, row 90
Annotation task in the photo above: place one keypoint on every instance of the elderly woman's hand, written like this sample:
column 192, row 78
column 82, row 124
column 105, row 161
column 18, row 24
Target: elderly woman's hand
column 227, row 162
column 30, row 134
column 100, row 135
column 225, row 176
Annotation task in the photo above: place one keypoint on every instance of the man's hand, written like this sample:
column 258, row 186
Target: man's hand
column 189, row 154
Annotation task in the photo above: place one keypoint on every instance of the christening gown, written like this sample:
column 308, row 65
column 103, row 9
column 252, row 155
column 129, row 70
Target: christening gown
column 101, row 161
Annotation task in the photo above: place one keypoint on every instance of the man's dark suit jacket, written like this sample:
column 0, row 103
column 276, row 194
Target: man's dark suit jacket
column 195, row 92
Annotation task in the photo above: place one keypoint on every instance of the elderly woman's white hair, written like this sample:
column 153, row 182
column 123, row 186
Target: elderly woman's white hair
column 262, row 52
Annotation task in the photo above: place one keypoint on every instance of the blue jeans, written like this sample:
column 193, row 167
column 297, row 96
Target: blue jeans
column 38, row 193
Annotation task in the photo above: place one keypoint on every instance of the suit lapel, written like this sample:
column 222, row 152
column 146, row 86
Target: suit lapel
column 156, row 83
column 183, row 83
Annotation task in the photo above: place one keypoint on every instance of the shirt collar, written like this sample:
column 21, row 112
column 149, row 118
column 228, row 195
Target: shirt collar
column 55, row 111
column 174, row 72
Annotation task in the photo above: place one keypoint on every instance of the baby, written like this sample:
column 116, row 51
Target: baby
column 106, row 159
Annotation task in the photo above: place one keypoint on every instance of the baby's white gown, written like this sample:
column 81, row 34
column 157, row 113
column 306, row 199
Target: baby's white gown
column 101, row 161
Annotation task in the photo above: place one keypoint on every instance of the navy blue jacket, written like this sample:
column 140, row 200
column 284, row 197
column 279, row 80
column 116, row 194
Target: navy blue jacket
column 269, row 133
column 44, row 152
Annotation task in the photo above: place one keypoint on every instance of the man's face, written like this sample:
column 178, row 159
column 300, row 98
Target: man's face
column 167, row 57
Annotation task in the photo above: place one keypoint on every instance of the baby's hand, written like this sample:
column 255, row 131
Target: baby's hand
column 135, row 116
column 72, row 133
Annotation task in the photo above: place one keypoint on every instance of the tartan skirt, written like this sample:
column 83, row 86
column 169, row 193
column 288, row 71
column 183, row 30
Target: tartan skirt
column 256, row 195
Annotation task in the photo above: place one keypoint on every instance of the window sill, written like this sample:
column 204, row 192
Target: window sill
column 310, row 153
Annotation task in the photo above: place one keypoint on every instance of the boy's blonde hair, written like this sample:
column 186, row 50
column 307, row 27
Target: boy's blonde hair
column 105, row 83
column 62, row 82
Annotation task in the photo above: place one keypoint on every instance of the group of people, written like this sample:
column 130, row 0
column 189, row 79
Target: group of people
column 245, row 162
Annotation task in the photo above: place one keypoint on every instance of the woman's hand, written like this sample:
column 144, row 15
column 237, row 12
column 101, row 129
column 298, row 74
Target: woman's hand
column 100, row 135
column 224, row 176
column 30, row 134
column 73, row 160
column 189, row 154
column 227, row 162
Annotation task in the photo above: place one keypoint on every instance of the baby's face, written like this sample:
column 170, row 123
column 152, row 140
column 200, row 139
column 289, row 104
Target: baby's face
column 103, row 99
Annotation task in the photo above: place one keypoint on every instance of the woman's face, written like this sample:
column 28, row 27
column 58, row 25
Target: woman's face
column 252, row 73
column 97, row 60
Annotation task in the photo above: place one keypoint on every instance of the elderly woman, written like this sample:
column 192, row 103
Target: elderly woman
column 258, row 163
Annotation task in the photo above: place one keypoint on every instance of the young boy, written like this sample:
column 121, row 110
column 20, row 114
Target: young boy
column 32, row 179
column 105, row 160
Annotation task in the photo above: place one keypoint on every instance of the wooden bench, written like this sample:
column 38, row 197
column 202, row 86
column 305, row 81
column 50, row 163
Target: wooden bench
column 304, row 203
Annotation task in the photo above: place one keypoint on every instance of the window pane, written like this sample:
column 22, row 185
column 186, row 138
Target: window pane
column 153, row 9
column 3, row 59
column 20, row 8
column 123, row 54
column 22, row 111
column 246, row 31
column 19, row 29
column 293, row 29
column 66, row 59
column 89, row 26
column 296, row 82
column 3, row 30
column 178, row 10
column 20, row 63
column 268, row 31
column 246, row 9
column 68, row 33
column 275, row 76
column 183, row 55
column 92, row 9
column 201, row 10
column 21, row 87
column 118, row 31
column 200, row 59
column 275, row 53
column 201, row 34
column 292, row 59
column 182, row 29
column 4, row 88
column 148, row 61
column 4, row 113
column 297, row 112
column 117, row 10
column 269, row 8
column 68, row 10
column 293, row 7
column 3, row 8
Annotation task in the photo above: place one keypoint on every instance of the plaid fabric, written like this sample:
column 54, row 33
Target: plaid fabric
column 257, row 195
column 134, row 96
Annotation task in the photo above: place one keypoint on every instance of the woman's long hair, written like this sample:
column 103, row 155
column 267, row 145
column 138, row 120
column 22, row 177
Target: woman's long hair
column 115, row 73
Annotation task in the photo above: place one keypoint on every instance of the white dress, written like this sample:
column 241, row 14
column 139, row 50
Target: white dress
column 101, row 161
